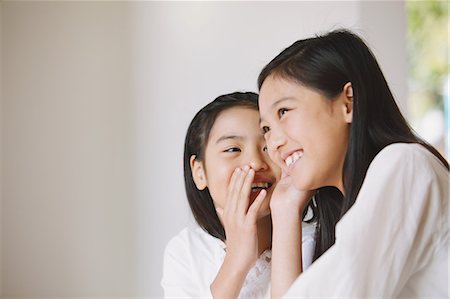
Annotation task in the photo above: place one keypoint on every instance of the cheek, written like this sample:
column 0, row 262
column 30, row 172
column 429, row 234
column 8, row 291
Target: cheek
column 298, row 128
column 274, row 161
column 218, row 195
column 275, row 168
column 219, row 172
column 219, row 177
column 333, row 144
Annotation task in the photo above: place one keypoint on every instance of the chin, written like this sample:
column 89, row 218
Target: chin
column 303, row 185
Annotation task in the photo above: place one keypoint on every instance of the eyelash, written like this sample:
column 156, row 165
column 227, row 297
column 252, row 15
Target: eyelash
column 236, row 149
column 232, row 150
column 282, row 111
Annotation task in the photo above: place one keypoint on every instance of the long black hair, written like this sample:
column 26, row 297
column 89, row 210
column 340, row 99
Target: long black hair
column 325, row 64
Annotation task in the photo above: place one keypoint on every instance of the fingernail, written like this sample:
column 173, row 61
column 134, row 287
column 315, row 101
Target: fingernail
column 246, row 167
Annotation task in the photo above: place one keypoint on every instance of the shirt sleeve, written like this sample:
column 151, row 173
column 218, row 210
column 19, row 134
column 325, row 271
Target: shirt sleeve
column 384, row 237
column 180, row 277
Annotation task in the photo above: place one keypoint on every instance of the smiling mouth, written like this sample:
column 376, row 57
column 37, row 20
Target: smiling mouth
column 294, row 157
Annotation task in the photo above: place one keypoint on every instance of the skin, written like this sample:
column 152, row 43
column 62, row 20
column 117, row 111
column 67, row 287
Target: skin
column 297, row 119
column 236, row 157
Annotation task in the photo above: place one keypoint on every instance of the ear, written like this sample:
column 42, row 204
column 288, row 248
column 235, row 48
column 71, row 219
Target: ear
column 198, row 173
column 347, row 95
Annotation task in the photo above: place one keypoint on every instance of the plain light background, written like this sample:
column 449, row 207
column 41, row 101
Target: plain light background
column 96, row 98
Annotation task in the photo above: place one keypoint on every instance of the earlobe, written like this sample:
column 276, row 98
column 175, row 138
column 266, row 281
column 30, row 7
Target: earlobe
column 198, row 173
column 348, row 102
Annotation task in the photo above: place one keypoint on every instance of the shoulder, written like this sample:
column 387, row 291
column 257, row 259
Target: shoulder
column 408, row 157
column 192, row 241
column 191, row 258
column 190, row 261
column 180, row 241
column 407, row 151
column 405, row 177
column 402, row 151
column 410, row 165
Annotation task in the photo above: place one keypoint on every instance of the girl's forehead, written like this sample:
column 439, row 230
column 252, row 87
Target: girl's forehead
column 236, row 116
column 236, row 120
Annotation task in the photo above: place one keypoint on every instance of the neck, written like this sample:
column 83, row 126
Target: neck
column 264, row 234
column 340, row 186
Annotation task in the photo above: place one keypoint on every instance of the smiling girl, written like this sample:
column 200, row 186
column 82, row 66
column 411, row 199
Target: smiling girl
column 229, row 180
column 332, row 124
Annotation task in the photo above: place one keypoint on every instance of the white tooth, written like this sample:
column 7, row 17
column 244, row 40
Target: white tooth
column 296, row 156
column 293, row 158
column 260, row 185
column 289, row 161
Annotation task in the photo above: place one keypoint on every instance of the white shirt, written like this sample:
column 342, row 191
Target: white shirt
column 193, row 258
column 393, row 242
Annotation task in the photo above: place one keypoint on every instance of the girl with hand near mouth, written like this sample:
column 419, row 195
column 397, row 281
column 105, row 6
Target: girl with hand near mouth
column 331, row 123
column 229, row 180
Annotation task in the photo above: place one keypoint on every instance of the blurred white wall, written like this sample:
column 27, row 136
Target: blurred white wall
column 68, row 214
column 96, row 99
column 384, row 26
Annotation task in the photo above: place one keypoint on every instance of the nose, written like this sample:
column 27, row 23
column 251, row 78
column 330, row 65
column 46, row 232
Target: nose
column 257, row 161
column 275, row 139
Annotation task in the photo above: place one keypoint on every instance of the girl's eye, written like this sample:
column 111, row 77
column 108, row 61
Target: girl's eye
column 265, row 129
column 282, row 111
column 265, row 148
column 232, row 150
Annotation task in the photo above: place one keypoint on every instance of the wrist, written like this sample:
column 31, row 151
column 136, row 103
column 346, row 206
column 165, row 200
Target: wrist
column 236, row 265
column 287, row 213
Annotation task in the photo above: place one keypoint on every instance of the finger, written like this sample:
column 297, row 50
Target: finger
column 240, row 181
column 252, row 214
column 236, row 195
column 232, row 182
column 232, row 197
column 246, row 189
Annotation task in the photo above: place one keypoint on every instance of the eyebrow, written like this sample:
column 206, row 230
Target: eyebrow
column 227, row 137
column 281, row 100
column 276, row 103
